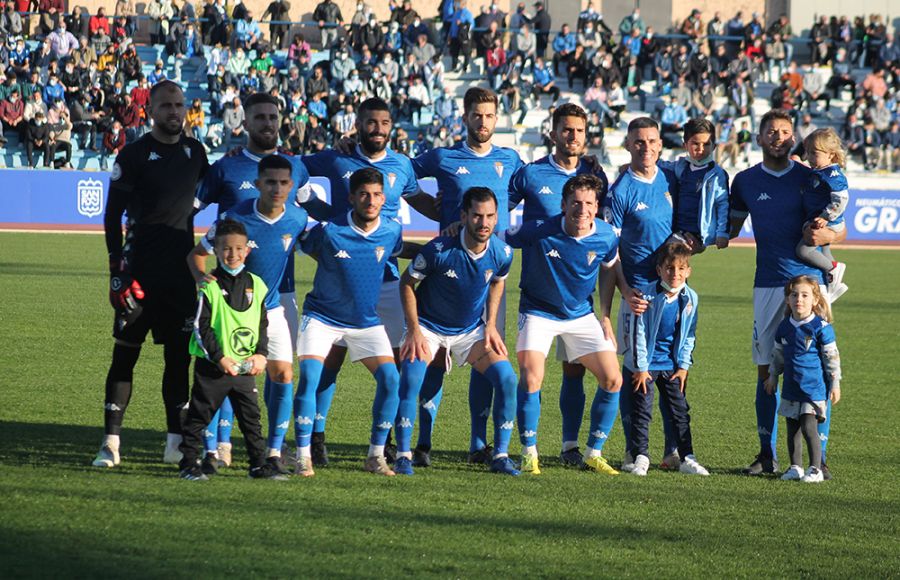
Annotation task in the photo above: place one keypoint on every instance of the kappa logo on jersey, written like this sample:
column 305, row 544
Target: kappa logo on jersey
column 342, row 254
column 462, row 170
column 763, row 197
column 554, row 254
column 153, row 156
column 591, row 256
column 498, row 167
column 348, row 174
column 487, row 275
column 90, row 197
column 834, row 173
column 538, row 222
column 246, row 185
column 439, row 246
column 392, row 177
column 286, row 240
column 451, row 274
column 252, row 244
column 545, row 191
column 379, row 253
column 507, row 250
column 641, row 206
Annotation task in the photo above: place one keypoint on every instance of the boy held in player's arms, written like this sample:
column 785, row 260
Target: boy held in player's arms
column 806, row 352
column 824, row 202
column 701, row 210
column 230, row 346
column 662, row 353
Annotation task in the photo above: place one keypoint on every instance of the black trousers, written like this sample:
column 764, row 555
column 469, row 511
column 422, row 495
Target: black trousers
column 642, row 412
column 211, row 386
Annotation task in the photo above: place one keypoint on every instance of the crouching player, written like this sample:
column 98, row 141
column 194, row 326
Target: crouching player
column 231, row 345
column 457, row 276
column 561, row 260
column 352, row 252
column 661, row 353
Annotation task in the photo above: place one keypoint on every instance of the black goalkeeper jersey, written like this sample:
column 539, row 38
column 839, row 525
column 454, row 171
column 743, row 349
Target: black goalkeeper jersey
column 154, row 184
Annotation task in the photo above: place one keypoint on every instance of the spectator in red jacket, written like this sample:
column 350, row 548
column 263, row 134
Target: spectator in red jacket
column 129, row 115
column 12, row 113
column 99, row 22
column 113, row 141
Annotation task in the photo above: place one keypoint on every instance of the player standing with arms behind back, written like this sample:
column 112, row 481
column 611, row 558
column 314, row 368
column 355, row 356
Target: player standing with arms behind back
column 771, row 193
column 151, row 289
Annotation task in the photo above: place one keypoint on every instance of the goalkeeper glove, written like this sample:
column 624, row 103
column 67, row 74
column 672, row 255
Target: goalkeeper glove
column 124, row 291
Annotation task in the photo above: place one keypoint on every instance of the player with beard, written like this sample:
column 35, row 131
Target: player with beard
column 374, row 126
column 771, row 193
column 475, row 162
column 230, row 181
column 153, row 181
column 540, row 185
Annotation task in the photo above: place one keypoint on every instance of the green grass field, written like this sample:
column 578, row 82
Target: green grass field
column 62, row 518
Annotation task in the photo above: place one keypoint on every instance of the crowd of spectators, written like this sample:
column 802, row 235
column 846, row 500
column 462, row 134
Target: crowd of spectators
column 76, row 80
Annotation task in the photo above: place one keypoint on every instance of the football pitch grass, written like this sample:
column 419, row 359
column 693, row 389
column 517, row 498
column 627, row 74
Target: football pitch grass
column 63, row 518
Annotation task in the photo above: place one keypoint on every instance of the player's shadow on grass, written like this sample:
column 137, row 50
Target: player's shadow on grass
column 74, row 446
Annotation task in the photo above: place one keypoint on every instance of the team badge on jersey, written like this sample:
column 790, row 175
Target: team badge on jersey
column 286, row 241
column 379, row 253
column 688, row 308
column 187, row 151
column 591, row 256
column 488, row 274
column 249, row 294
column 392, row 177
column 668, row 197
column 498, row 167
column 116, row 172
column 808, row 340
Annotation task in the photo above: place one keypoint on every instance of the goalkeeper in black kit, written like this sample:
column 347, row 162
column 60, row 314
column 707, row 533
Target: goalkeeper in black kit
column 151, row 289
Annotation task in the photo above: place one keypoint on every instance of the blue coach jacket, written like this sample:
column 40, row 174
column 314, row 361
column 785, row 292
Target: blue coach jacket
column 645, row 327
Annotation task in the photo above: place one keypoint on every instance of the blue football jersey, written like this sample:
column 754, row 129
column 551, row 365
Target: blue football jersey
column 458, row 168
column 775, row 204
column 827, row 184
column 230, row 181
column 399, row 180
column 641, row 212
column 454, row 282
column 271, row 242
column 804, row 372
column 540, row 186
column 350, row 270
column 399, row 177
column 559, row 272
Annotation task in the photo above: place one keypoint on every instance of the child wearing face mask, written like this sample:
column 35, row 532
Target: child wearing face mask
column 701, row 211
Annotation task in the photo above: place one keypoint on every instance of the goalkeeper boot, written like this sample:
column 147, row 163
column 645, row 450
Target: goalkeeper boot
column 598, row 464
column 530, row 464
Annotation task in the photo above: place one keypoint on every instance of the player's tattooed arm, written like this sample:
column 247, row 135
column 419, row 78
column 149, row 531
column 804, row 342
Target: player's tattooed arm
column 410, row 250
column 196, row 261
column 424, row 204
column 414, row 346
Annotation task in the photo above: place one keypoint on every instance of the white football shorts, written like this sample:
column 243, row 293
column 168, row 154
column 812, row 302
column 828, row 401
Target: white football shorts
column 580, row 336
column 317, row 337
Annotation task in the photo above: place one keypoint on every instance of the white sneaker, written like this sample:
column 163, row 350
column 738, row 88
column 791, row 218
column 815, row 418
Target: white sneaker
column 813, row 475
column 223, row 451
column 671, row 461
column 690, row 466
column 106, row 457
column 838, row 291
column 627, row 463
column 641, row 465
column 836, row 276
column 794, row 473
column 172, row 454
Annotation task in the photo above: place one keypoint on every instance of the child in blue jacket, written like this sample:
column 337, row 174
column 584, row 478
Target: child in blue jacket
column 701, row 209
column 661, row 354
